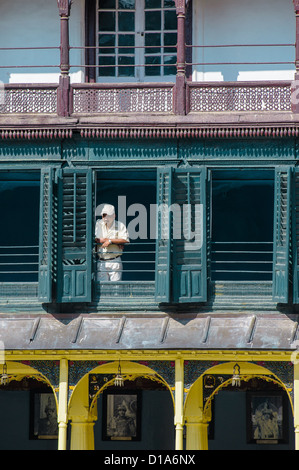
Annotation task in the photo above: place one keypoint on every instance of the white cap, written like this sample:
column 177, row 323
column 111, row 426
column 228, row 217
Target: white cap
column 108, row 209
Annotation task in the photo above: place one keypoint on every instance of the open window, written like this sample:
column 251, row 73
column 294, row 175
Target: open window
column 245, row 231
column 133, row 194
column 242, row 225
column 187, row 226
column 19, row 214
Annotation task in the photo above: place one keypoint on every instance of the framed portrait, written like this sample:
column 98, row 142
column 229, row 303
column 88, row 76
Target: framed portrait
column 43, row 414
column 121, row 415
column 267, row 417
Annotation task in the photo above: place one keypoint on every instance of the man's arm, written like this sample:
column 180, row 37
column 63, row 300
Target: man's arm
column 111, row 241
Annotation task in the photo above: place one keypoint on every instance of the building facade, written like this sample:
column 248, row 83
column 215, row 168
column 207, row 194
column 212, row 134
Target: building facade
column 183, row 115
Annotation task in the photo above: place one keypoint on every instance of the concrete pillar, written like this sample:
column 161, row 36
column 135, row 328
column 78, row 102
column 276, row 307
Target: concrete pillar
column 196, row 433
column 179, row 404
column 62, row 405
column 82, row 435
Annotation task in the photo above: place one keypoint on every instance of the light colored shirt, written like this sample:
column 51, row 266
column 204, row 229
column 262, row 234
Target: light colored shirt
column 117, row 231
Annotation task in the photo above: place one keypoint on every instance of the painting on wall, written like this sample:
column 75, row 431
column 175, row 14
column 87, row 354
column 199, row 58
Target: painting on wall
column 121, row 415
column 266, row 417
column 43, row 414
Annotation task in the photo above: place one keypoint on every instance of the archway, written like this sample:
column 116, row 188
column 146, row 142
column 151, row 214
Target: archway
column 95, row 399
column 28, row 409
column 219, row 390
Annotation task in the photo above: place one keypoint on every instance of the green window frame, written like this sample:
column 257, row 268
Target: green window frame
column 66, row 235
column 181, row 269
column 181, row 275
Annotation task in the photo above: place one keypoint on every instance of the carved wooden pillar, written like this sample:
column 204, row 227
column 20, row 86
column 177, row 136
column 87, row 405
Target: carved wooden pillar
column 295, row 86
column 180, row 107
column 64, row 7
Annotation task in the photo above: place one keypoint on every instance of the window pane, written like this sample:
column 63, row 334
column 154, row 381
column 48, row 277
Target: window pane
column 106, row 43
column 106, row 71
column 151, row 70
column 153, row 21
column 170, row 20
column 126, row 4
column 170, row 70
column 125, row 40
column 106, row 21
column 150, row 4
column 104, row 4
column 153, row 39
column 170, row 39
column 126, row 21
column 126, row 71
column 169, row 4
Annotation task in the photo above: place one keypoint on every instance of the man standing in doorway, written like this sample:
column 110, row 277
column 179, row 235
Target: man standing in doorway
column 111, row 235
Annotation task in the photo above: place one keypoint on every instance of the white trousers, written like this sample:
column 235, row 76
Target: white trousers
column 109, row 270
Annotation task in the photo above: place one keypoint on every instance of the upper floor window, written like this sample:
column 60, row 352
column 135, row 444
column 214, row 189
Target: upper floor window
column 240, row 207
column 136, row 39
column 133, row 194
column 19, row 214
column 242, row 225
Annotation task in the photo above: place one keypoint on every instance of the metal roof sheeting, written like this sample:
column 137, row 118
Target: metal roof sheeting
column 271, row 331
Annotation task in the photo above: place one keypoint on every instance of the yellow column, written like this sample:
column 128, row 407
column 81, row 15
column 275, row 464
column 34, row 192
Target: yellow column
column 179, row 403
column 197, row 418
column 62, row 404
column 296, row 403
column 82, row 437
column 196, row 433
column 82, row 418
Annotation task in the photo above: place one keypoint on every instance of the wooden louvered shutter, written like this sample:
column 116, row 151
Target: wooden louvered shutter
column 75, row 235
column 189, row 233
column 295, row 235
column 281, row 248
column 163, row 239
column 46, row 228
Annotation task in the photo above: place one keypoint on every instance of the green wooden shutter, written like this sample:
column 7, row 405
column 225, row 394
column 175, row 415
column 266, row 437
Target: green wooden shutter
column 75, row 235
column 295, row 234
column 189, row 233
column 163, row 238
column 281, row 246
column 46, row 226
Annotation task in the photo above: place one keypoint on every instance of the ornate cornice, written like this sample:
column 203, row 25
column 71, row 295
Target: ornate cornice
column 35, row 134
column 153, row 132
column 191, row 132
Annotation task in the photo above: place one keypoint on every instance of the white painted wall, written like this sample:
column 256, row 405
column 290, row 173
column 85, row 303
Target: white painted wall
column 29, row 23
column 36, row 23
column 217, row 22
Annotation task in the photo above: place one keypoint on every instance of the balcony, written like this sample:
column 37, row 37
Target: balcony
column 170, row 97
